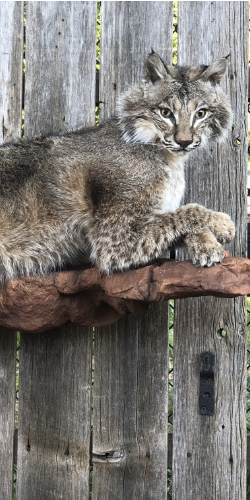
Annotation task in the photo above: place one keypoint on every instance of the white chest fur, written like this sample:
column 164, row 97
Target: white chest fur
column 172, row 189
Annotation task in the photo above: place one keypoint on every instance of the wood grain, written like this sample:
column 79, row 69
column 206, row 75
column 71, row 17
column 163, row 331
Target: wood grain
column 124, row 49
column 131, row 357
column 54, row 414
column 11, row 49
column 55, row 370
column 8, row 347
column 62, row 59
column 130, row 408
column 209, row 453
column 11, row 69
column 170, row 449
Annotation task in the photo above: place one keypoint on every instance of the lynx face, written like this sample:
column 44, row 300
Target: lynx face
column 177, row 108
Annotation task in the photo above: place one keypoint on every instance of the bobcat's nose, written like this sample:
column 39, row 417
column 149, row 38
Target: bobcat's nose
column 182, row 143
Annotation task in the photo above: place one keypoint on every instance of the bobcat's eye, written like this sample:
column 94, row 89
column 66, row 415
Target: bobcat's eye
column 165, row 112
column 201, row 113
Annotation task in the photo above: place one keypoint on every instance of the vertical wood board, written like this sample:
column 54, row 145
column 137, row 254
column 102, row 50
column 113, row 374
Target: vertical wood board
column 55, row 366
column 209, row 452
column 129, row 32
column 7, row 410
column 130, row 417
column 60, row 66
column 11, row 54
column 11, row 67
column 54, row 415
column 131, row 357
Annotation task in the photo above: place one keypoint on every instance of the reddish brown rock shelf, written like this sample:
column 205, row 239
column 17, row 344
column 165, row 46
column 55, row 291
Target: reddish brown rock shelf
column 85, row 297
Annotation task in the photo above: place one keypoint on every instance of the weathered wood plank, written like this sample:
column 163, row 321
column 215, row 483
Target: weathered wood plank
column 63, row 60
column 54, row 414
column 11, row 50
column 55, row 367
column 11, row 68
column 209, row 452
column 130, row 408
column 124, row 49
column 7, row 411
column 131, row 357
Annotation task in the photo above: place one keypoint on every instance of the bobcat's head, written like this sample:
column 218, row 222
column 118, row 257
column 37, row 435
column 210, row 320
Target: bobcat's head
column 179, row 108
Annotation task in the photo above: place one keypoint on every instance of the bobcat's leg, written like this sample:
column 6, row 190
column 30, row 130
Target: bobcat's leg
column 124, row 240
column 193, row 218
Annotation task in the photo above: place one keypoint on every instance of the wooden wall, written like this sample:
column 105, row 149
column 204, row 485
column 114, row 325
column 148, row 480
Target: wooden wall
column 130, row 403
column 213, row 449
column 11, row 55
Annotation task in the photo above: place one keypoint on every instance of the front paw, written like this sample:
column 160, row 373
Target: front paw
column 204, row 249
column 222, row 227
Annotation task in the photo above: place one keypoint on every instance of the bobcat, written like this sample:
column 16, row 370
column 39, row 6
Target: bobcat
column 113, row 192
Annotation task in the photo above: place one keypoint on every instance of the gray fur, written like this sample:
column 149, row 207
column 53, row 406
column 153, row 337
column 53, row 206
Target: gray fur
column 112, row 193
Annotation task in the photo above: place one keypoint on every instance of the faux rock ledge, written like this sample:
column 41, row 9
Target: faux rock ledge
column 35, row 304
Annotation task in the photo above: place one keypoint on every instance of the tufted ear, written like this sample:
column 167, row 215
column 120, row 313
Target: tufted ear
column 215, row 71
column 155, row 68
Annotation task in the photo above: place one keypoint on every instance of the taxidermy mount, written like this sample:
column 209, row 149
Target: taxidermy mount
column 112, row 193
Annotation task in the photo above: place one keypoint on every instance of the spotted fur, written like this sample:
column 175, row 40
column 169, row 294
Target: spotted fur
column 112, row 194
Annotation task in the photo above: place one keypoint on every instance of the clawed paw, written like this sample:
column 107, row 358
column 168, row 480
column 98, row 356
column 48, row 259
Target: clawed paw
column 209, row 258
column 204, row 249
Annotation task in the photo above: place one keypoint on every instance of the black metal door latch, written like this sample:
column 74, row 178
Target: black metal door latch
column 207, row 384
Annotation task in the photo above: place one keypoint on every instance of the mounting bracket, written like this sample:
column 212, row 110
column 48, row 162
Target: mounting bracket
column 207, row 383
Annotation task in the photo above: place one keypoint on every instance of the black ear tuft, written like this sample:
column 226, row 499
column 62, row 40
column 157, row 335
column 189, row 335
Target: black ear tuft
column 155, row 68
